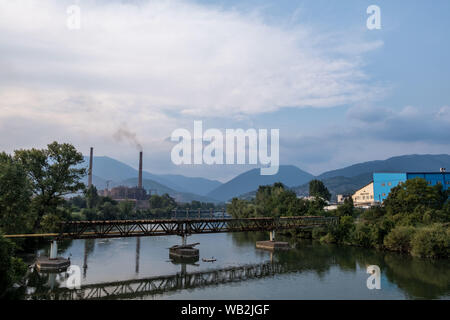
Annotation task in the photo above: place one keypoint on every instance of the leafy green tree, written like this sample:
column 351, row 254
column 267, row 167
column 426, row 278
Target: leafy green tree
column 53, row 172
column 362, row 235
column 406, row 197
column 346, row 209
column 240, row 208
column 90, row 214
column 92, row 197
column 12, row 269
column 342, row 232
column 318, row 189
column 15, row 197
column 108, row 211
column 162, row 202
column 126, row 209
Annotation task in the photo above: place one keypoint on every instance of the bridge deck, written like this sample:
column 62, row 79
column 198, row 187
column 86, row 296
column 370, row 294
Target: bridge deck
column 161, row 227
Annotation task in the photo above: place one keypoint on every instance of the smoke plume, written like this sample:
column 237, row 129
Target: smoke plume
column 123, row 134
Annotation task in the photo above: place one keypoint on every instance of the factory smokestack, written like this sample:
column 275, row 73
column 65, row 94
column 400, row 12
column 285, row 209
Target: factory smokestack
column 140, row 170
column 90, row 168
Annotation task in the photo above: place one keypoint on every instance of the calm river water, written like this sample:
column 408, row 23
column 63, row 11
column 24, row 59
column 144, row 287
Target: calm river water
column 132, row 268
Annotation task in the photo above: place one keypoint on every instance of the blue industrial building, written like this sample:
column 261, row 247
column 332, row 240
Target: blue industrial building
column 384, row 182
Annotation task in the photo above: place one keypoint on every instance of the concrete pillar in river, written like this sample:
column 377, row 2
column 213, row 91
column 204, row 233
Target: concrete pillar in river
column 53, row 249
column 272, row 235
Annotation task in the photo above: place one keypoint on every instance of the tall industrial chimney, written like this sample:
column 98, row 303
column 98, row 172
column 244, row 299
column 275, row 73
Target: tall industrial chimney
column 140, row 170
column 90, row 168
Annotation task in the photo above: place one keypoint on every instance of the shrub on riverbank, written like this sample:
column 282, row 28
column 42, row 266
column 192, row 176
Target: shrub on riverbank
column 340, row 233
column 399, row 239
column 362, row 235
column 431, row 242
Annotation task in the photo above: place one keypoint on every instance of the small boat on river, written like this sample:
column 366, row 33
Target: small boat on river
column 209, row 260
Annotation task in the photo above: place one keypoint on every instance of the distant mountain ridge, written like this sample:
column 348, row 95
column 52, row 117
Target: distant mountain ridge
column 344, row 180
column 406, row 163
column 250, row 180
column 349, row 179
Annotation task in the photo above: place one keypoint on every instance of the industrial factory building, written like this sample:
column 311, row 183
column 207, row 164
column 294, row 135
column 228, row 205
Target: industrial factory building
column 384, row 182
column 378, row 190
column 121, row 193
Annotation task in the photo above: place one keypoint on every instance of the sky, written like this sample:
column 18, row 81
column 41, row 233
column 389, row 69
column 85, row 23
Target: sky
column 137, row 70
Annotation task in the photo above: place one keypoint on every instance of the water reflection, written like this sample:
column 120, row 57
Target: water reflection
column 328, row 269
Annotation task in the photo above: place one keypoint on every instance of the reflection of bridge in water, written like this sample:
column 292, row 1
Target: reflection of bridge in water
column 129, row 289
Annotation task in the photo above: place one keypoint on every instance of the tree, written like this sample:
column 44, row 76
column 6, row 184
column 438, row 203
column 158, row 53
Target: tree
column 413, row 198
column 12, row 269
column 162, row 202
column 53, row 173
column 240, row 208
column 126, row 209
column 92, row 197
column 318, row 189
column 109, row 211
column 345, row 209
column 15, row 196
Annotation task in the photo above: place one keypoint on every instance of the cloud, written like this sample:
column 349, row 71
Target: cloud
column 444, row 114
column 369, row 133
column 154, row 66
column 178, row 56
column 368, row 114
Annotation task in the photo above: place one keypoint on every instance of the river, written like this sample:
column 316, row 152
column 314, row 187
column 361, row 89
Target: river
column 140, row 268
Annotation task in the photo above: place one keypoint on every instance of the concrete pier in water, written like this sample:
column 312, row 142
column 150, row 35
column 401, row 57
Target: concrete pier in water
column 272, row 244
column 184, row 251
column 52, row 263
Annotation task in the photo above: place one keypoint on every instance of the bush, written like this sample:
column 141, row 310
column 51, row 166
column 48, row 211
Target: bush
column 11, row 269
column 328, row 238
column 431, row 242
column 340, row 233
column 379, row 231
column 317, row 233
column 362, row 235
column 399, row 239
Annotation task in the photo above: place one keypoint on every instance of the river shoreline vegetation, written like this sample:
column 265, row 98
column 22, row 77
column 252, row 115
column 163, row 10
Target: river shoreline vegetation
column 39, row 188
column 414, row 219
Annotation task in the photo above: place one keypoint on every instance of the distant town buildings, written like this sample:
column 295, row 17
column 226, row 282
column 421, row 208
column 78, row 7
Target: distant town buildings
column 342, row 197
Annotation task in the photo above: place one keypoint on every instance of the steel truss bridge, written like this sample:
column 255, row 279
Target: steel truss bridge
column 180, row 227
column 135, row 288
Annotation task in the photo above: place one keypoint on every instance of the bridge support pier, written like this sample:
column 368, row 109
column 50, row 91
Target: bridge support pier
column 53, row 263
column 272, row 244
column 53, row 250
column 184, row 252
column 272, row 235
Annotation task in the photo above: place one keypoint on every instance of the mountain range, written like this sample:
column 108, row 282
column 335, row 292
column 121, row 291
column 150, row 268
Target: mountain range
column 250, row 180
column 185, row 189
